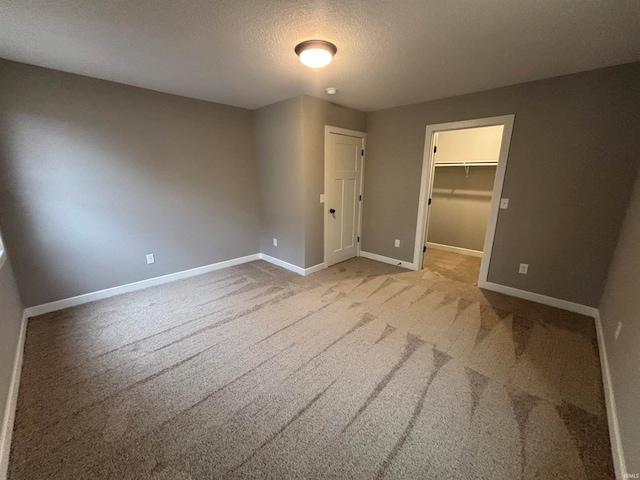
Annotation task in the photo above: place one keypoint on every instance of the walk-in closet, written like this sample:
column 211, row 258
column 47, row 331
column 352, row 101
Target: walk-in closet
column 465, row 163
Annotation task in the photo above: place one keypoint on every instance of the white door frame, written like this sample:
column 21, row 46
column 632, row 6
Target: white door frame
column 426, row 185
column 328, row 129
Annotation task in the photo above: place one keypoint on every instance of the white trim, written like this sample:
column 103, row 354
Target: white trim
column 10, row 411
column 328, row 129
column 3, row 252
column 294, row 268
column 315, row 268
column 282, row 263
column 344, row 131
column 390, row 261
column 610, row 401
column 6, row 431
column 426, row 184
column 172, row 277
column 538, row 298
column 6, row 428
column 361, row 202
column 132, row 287
column 451, row 248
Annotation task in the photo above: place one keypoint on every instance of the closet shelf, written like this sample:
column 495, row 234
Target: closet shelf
column 467, row 164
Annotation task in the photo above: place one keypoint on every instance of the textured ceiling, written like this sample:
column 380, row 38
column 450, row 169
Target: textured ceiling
column 390, row 52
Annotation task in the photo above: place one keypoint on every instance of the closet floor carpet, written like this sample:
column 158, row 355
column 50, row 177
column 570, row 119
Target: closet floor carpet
column 363, row 370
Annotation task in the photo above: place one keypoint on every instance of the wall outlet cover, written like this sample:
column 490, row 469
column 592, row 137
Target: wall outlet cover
column 504, row 203
column 397, row 243
column 275, row 242
column 322, row 198
column 524, row 268
column 150, row 258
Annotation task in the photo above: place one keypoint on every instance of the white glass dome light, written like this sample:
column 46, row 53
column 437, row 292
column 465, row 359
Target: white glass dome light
column 316, row 53
column 315, row 57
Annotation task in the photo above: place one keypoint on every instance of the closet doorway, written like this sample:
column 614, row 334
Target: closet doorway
column 463, row 172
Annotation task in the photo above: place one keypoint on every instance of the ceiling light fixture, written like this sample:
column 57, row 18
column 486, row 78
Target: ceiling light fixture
column 316, row 53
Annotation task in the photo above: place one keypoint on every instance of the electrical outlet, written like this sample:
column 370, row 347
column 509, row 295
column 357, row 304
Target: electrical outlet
column 150, row 258
column 397, row 243
column 504, row 203
column 275, row 242
column 322, row 198
column 524, row 268
column 618, row 330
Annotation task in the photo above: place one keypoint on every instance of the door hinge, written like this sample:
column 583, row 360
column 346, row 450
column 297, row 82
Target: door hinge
column 358, row 239
column 362, row 152
column 360, row 198
column 435, row 149
column 429, row 202
column 424, row 249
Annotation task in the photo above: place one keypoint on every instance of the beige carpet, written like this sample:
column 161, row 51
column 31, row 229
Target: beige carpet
column 363, row 370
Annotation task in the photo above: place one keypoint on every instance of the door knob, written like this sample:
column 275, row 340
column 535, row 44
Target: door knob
column 332, row 210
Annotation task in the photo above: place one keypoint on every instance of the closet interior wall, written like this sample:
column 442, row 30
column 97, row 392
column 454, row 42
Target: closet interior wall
column 464, row 173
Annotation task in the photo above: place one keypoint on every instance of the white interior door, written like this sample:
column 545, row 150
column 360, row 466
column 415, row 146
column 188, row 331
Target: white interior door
column 343, row 176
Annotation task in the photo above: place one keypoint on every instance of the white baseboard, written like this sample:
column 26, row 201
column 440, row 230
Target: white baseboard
column 172, row 277
column 390, row 261
column 6, row 429
column 132, row 287
column 281, row 263
column 612, row 413
column 292, row 267
column 450, row 248
column 315, row 268
column 536, row 297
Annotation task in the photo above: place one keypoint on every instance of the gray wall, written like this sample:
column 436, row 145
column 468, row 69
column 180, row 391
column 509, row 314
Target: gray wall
column 571, row 166
column 316, row 114
column 280, row 157
column 621, row 303
column 98, row 174
column 460, row 206
column 290, row 140
column 10, row 318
